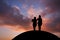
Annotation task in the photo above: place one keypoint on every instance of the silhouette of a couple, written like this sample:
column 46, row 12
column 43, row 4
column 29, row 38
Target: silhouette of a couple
column 37, row 21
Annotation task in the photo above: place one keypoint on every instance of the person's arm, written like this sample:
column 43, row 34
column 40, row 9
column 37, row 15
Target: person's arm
column 37, row 19
column 32, row 20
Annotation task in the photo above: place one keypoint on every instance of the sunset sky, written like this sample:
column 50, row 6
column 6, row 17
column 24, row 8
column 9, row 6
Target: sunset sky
column 16, row 15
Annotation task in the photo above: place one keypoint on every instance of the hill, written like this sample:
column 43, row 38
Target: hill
column 36, row 35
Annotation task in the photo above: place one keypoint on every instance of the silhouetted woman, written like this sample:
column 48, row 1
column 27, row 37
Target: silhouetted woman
column 39, row 22
column 34, row 23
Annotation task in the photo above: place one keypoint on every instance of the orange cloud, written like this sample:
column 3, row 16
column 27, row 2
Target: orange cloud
column 49, row 10
column 34, row 12
column 31, row 12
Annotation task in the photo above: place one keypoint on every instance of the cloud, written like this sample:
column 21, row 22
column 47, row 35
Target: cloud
column 53, row 10
column 34, row 11
column 12, row 16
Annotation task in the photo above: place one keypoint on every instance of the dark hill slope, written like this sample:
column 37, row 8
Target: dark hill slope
column 36, row 35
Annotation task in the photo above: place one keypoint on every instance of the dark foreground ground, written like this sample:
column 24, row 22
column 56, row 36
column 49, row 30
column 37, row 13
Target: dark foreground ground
column 36, row 35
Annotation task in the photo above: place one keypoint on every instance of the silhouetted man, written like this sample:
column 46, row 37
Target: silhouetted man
column 34, row 23
column 39, row 22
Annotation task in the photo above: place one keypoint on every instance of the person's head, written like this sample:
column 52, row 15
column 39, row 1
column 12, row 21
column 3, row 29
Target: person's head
column 39, row 16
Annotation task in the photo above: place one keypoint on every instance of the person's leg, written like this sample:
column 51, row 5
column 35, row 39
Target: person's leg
column 39, row 27
column 34, row 28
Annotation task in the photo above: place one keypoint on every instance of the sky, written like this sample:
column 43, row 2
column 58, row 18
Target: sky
column 16, row 15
